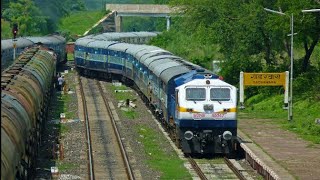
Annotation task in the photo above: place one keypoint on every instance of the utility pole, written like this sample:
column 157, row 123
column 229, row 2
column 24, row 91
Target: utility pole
column 290, row 111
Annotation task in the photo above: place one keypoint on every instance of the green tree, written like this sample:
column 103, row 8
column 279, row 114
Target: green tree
column 248, row 37
column 306, row 25
column 59, row 8
column 27, row 16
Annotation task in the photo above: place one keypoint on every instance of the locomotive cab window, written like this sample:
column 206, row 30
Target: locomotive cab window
column 195, row 94
column 220, row 94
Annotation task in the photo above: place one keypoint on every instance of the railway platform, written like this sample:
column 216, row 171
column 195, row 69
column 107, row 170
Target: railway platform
column 282, row 153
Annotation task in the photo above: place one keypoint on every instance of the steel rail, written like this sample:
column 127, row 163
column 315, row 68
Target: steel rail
column 129, row 170
column 234, row 169
column 195, row 166
column 88, row 134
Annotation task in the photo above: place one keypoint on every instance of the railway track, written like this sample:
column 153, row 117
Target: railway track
column 106, row 153
column 235, row 169
column 195, row 166
column 218, row 168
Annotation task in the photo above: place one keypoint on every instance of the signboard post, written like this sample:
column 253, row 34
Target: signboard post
column 264, row 79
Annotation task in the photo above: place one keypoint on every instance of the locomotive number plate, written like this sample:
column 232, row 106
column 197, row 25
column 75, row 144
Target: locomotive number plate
column 218, row 115
column 198, row 116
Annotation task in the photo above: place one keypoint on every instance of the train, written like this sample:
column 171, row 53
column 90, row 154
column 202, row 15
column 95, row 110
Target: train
column 26, row 87
column 54, row 41
column 198, row 108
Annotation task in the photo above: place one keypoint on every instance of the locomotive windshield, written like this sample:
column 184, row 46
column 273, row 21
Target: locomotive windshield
column 220, row 94
column 196, row 94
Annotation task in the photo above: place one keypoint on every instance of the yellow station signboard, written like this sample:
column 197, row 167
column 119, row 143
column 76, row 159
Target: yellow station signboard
column 264, row 79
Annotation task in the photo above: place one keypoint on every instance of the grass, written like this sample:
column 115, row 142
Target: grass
column 130, row 114
column 168, row 163
column 63, row 128
column 62, row 166
column 62, row 106
column 305, row 111
column 122, row 96
column 59, row 104
column 79, row 22
column 64, row 101
column 70, row 57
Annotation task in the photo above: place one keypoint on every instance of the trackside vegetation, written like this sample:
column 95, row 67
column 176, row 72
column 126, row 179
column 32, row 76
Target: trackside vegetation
column 36, row 17
column 5, row 30
column 167, row 162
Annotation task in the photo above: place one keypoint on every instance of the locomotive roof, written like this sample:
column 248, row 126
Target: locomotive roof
column 161, row 66
column 172, row 72
column 154, row 65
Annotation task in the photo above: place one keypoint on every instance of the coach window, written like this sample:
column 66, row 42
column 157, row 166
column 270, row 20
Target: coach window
column 195, row 94
column 220, row 94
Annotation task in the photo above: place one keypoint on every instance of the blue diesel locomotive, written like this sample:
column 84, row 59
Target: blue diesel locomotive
column 196, row 106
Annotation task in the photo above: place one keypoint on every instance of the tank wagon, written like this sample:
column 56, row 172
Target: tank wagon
column 25, row 92
column 55, row 42
column 196, row 106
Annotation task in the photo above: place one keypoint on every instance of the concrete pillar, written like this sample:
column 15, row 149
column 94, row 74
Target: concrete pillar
column 118, row 21
column 168, row 22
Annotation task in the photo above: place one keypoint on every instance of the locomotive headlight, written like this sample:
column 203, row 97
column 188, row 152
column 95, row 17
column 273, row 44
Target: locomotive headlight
column 227, row 135
column 188, row 135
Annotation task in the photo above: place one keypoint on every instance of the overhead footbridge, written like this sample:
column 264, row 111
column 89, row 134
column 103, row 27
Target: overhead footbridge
column 113, row 20
column 150, row 10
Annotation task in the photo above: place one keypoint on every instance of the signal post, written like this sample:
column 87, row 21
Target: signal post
column 14, row 32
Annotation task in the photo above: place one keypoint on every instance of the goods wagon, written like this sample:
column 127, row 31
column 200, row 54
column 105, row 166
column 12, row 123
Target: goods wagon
column 25, row 91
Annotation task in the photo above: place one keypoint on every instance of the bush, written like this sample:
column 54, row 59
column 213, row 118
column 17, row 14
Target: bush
column 308, row 85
